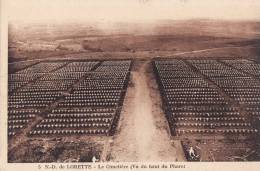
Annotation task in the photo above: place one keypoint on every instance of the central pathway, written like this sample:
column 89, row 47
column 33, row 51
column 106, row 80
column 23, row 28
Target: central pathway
column 142, row 134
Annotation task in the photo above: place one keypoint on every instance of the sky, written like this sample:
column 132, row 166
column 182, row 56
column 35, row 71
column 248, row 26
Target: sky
column 130, row 10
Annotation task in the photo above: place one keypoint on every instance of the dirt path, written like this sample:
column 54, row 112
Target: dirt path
column 142, row 134
column 206, row 50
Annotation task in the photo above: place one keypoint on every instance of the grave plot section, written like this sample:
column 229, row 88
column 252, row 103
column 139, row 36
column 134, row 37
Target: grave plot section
column 42, row 67
column 19, row 119
column 247, row 66
column 194, row 107
column 114, row 66
column 253, row 113
column 55, row 76
column 52, row 85
column 40, row 87
column 72, row 71
column 236, row 80
column 246, row 96
column 209, row 122
column 30, row 74
column 80, row 66
column 237, row 126
column 17, row 66
column 93, row 106
column 245, row 90
column 76, row 121
column 16, row 81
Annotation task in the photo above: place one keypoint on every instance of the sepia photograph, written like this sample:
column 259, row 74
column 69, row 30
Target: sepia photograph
column 133, row 81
